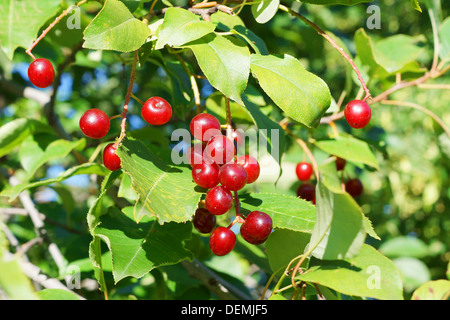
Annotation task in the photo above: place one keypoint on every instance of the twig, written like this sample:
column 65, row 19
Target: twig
column 333, row 43
column 127, row 101
column 44, row 33
column 216, row 284
column 420, row 108
column 205, row 13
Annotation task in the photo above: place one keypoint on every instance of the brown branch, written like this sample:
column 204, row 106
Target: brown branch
column 47, row 30
column 333, row 43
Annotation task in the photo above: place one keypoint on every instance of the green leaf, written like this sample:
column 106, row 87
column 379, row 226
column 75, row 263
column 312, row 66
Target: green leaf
column 415, row 5
column 13, row 133
column 292, row 242
column 349, row 148
column 389, row 56
column 444, row 39
column 97, row 209
column 414, row 272
column 57, row 294
column 234, row 24
column 115, row 28
column 265, row 10
column 32, row 156
column 368, row 274
column 138, row 248
column 165, row 192
column 21, row 21
column 180, row 27
column 432, row 290
column 404, row 246
column 270, row 130
column 339, row 231
column 286, row 211
column 87, row 168
column 225, row 61
column 302, row 95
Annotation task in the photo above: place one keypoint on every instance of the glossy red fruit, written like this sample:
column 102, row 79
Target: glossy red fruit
column 204, row 221
column 204, row 126
column 156, row 111
column 357, row 113
column 206, row 175
column 340, row 164
column 110, row 159
column 256, row 227
column 250, row 165
column 218, row 200
column 194, row 155
column 41, row 73
column 306, row 191
column 233, row 176
column 221, row 241
column 94, row 123
column 354, row 187
column 220, row 149
column 304, row 171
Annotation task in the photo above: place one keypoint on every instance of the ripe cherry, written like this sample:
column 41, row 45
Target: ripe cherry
column 220, row 149
column 156, row 111
column 194, row 155
column 218, row 200
column 304, row 171
column 354, row 187
column 204, row 126
column 357, row 113
column 221, row 241
column 94, row 123
column 110, row 159
column 204, row 221
column 306, row 191
column 256, row 227
column 340, row 164
column 233, row 176
column 206, row 175
column 250, row 165
column 41, row 73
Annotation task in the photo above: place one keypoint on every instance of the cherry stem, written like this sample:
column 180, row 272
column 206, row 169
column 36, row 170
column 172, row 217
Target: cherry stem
column 127, row 101
column 137, row 99
column 47, row 30
column 333, row 43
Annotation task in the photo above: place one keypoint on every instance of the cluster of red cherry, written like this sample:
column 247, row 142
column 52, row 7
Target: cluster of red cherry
column 307, row 190
column 95, row 124
column 216, row 167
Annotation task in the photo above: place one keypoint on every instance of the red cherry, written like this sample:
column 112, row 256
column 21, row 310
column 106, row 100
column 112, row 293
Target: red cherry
column 110, row 159
column 340, row 164
column 306, row 191
column 204, row 126
column 218, row 200
column 206, row 175
column 354, row 187
column 250, row 165
column 233, row 176
column 256, row 227
column 94, row 123
column 204, row 221
column 41, row 73
column 194, row 155
column 304, row 171
column 156, row 111
column 221, row 241
column 220, row 149
column 357, row 113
